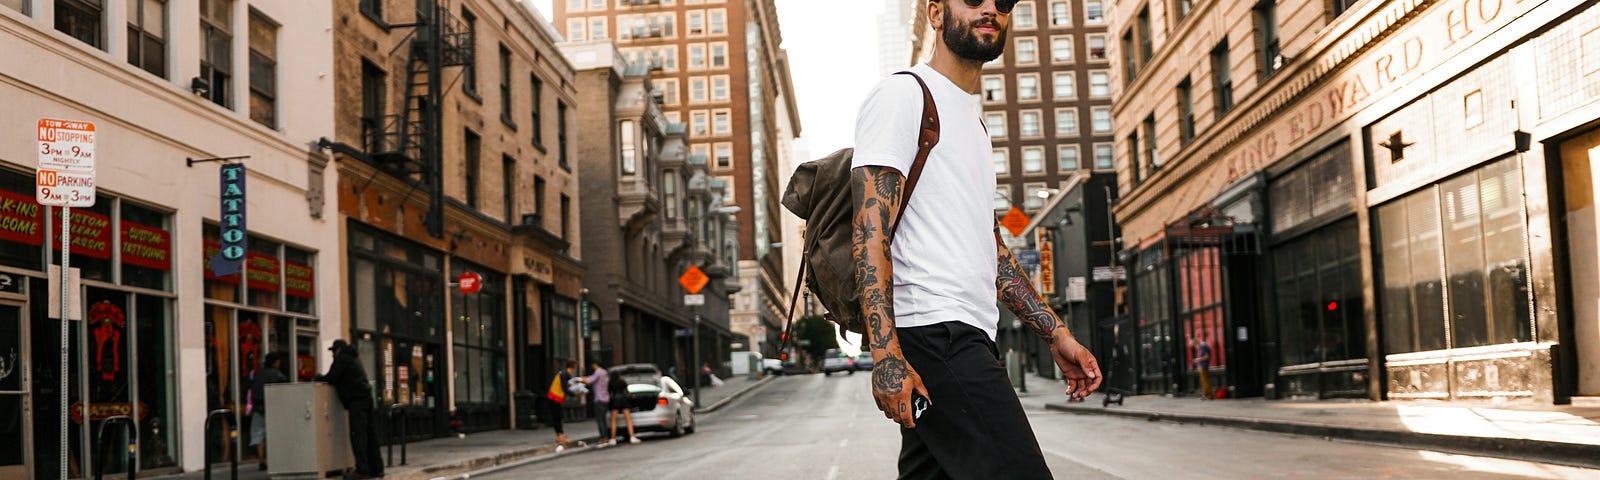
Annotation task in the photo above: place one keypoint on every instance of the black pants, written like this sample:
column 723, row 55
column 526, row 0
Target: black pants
column 975, row 428
column 553, row 415
column 364, row 441
column 602, row 418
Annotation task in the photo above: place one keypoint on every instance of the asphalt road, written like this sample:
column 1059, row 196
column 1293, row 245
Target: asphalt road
column 815, row 427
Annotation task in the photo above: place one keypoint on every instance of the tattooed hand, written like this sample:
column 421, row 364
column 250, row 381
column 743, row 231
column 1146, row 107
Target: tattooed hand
column 893, row 381
column 1079, row 366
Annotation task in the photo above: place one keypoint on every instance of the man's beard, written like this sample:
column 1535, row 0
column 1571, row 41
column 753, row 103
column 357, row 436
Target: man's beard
column 966, row 44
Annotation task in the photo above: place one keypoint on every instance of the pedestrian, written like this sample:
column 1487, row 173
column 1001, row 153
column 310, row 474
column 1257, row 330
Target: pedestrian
column 271, row 372
column 930, row 301
column 705, row 374
column 620, row 403
column 599, row 382
column 1202, row 365
column 555, row 402
column 349, row 380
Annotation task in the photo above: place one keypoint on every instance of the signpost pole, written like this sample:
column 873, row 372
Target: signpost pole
column 695, row 366
column 66, row 302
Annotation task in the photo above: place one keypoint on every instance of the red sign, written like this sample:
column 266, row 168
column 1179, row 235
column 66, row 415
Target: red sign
column 211, row 250
column 298, row 280
column 102, row 411
column 21, row 219
column 146, row 246
column 693, row 280
column 91, row 234
column 470, row 283
column 261, row 272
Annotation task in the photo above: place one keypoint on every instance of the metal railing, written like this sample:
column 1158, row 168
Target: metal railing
column 394, row 411
column 100, row 446
column 232, row 436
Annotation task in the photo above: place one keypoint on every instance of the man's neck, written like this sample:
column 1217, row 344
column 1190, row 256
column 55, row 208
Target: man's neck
column 962, row 72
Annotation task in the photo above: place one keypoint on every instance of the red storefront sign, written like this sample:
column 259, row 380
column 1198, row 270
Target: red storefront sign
column 298, row 281
column 91, row 234
column 146, row 246
column 211, row 250
column 261, row 272
column 21, row 219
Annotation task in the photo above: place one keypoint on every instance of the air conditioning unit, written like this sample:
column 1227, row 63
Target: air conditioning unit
column 531, row 220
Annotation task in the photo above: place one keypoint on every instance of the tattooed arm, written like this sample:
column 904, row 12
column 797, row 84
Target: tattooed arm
column 1017, row 294
column 876, row 192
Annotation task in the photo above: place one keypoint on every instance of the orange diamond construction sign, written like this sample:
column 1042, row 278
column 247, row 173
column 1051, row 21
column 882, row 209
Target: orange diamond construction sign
column 693, row 280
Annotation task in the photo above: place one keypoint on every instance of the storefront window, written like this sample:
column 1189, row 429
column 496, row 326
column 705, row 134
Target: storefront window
column 480, row 338
column 1319, row 301
column 397, row 305
column 1475, row 225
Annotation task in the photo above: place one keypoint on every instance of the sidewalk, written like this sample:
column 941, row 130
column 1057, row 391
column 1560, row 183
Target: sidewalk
column 451, row 457
column 1546, row 433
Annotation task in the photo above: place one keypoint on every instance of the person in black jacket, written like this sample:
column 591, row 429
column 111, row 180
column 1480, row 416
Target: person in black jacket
column 349, row 379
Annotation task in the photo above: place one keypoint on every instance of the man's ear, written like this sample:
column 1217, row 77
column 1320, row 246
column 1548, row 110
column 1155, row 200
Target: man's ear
column 936, row 14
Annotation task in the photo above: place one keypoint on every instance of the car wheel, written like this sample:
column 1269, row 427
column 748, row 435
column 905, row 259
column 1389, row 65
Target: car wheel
column 851, row 372
column 690, row 428
column 677, row 426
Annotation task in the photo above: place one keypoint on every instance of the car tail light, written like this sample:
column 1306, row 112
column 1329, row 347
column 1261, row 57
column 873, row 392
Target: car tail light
column 661, row 401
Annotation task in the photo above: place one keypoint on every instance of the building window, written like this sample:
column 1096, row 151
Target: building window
column 1035, row 195
column 1481, row 249
column 697, row 90
column 719, row 88
column 697, row 22
column 1002, row 198
column 996, row 123
column 536, row 92
column 1067, row 158
column 505, row 86
column 508, row 187
column 1094, row 12
column 18, row 5
column 724, row 154
column 1182, row 8
column 1066, row 122
column 1027, row 51
column 470, row 165
column 1060, row 14
column 722, row 121
column 1002, row 161
column 469, row 72
column 1142, row 30
column 1097, row 48
column 669, row 190
column 80, row 19
column 669, row 58
column 597, row 4
column 697, row 56
column 575, row 29
column 479, row 338
column 700, row 123
column 538, row 200
column 1100, row 120
column 147, row 35
column 263, row 70
column 1221, row 79
column 994, row 88
column 1028, row 86
column 1030, row 124
column 597, row 28
column 625, row 130
column 669, row 91
column 1341, row 6
column 1150, row 155
column 719, row 54
column 216, row 50
column 1130, row 65
column 1134, row 165
column 1066, row 85
column 1061, row 49
column 1318, row 283
column 561, row 133
column 1103, row 159
column 374, row 99
column 1266, row 19
column 372, row 8
column 1185, row 111
column 718, row 20
column 1023, row 17
column 1032, row 160
column 566, row 216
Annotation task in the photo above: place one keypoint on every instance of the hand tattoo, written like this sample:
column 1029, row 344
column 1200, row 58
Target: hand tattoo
column 889, row 375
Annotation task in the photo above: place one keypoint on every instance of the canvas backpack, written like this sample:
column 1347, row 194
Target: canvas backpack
column 820, row 193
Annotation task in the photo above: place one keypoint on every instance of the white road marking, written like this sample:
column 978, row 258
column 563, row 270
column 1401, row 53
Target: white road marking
column 833, row 473
column 844, row 442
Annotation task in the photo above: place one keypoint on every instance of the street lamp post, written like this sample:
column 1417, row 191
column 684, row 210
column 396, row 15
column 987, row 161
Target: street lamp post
column 694, row 365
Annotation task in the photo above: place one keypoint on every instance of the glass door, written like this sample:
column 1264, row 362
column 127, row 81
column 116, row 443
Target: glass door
column 13, row 395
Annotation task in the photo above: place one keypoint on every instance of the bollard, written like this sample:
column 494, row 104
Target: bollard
column 397, row 410
column 133, row 446
column 232, row 437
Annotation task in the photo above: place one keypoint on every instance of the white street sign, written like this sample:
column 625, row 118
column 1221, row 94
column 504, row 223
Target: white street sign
column 66, row 163
column 694, row 300
column 62, row 188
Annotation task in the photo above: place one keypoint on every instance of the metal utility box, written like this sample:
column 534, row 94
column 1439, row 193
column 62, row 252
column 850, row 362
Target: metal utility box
column 308, row 433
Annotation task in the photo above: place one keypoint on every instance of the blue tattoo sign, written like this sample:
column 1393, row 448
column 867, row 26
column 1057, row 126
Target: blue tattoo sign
column 230, row 258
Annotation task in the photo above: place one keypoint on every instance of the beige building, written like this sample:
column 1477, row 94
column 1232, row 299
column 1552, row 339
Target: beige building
column 165, row 339
column 1378, row 199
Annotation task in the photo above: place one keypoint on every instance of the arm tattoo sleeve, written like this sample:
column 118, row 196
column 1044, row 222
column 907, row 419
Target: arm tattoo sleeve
column 876, row 194
column 1016, row 293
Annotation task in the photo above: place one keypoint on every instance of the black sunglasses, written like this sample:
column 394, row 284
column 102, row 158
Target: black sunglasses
column 1003, row 6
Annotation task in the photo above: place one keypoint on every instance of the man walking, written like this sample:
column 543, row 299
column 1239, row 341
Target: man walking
column 598, row 383
column 355, row 392
column 929, row 288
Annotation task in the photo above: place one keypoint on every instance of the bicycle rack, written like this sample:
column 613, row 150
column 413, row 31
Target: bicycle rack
column 232, row 436
column 394, row 410
column 100, row 446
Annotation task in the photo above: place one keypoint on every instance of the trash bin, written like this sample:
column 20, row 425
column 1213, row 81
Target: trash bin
column 527, row 409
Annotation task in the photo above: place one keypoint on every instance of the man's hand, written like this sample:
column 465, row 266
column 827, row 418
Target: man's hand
column 1080, row 367
column 893, row 380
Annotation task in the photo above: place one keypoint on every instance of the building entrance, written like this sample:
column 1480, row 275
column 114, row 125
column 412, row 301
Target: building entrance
column 14, row 415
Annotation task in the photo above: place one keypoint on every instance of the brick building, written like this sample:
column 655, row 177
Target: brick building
column 717, row 67
column 1380, row 199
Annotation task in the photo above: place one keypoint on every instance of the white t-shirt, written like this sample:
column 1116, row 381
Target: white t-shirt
column 944, row 251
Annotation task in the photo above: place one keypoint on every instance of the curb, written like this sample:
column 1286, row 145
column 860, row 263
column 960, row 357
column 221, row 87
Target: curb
column 736, row 395
column 508, row 465
column 1560, row 453
column 471, row 466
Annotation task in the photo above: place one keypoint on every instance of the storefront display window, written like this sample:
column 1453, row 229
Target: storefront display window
column 480, row 338
column 1319, row 296
column 397, row 306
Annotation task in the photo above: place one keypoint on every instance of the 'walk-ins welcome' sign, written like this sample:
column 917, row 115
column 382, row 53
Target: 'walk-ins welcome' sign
column 230, row 258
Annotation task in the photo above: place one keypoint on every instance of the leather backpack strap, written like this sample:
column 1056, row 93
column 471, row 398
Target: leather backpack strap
column 927, row 137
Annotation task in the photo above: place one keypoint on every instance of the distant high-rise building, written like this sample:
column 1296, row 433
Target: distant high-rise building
column 895, row 42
